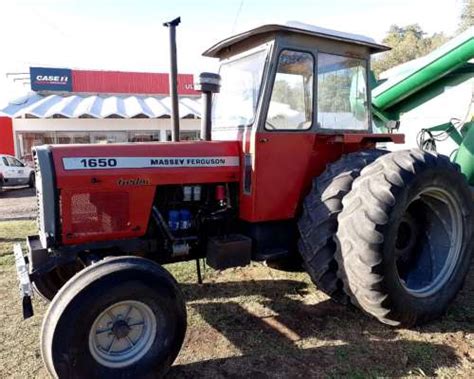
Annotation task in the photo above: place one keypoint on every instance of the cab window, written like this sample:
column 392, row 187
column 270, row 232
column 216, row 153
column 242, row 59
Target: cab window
column 291, row 104
column 5, row 162
column 342, row 93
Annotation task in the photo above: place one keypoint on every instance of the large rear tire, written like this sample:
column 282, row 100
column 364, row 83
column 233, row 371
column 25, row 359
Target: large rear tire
column 318, row 222
column 123, row 317
column 405, row 237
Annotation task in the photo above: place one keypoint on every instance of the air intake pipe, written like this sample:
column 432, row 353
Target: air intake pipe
column 208, row 83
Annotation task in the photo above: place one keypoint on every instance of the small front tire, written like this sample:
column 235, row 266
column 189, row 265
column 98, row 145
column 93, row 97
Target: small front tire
column 119, row 318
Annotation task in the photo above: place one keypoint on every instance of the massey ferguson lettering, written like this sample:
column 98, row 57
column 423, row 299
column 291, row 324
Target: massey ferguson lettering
column 100, row 163
column 188, row 162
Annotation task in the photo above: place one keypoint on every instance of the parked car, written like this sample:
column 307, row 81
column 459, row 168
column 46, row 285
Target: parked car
column 15, row 172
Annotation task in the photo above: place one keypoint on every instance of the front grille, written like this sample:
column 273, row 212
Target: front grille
column 99, row 212
column 39, row 197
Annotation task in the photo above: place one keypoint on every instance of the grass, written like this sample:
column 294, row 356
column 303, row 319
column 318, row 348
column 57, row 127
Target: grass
column 13, row 232
column 259, row 322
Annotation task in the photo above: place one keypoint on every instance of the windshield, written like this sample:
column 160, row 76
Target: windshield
column 236, row 103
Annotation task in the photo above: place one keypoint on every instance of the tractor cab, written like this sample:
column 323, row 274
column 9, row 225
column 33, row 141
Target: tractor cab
column 297, row 97
column 294, row 77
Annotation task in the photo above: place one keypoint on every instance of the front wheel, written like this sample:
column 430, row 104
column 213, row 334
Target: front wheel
column 120, row 318
column 405, row 237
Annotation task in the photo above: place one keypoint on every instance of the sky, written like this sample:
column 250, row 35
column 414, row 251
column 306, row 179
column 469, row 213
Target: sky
column 127, row 35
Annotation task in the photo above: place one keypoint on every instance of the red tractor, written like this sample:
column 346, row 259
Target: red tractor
column 292, row 176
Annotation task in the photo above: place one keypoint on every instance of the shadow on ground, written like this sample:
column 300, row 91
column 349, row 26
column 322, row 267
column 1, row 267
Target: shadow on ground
column 17, row 192
column 293, row 339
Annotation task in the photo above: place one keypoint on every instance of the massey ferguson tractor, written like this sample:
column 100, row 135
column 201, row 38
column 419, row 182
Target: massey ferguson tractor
column 292, row 175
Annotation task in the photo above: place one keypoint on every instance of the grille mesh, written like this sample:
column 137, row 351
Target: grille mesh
column 39, row 201
column 99, row 212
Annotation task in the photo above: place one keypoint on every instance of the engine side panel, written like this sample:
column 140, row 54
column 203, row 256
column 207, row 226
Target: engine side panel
column 107, row 191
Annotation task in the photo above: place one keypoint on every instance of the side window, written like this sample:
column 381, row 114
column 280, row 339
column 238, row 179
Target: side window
column 342, row 93
column 12, row 162
column 291, row 104
column 18, row 163
column 5, row 162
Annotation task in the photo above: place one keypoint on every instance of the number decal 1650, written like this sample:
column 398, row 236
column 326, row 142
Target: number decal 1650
column 99, row 162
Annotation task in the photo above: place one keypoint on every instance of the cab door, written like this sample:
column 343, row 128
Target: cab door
column 284, row 142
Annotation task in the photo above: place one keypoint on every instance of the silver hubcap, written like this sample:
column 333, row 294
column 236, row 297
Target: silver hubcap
column 429, row 242
column 122, row 334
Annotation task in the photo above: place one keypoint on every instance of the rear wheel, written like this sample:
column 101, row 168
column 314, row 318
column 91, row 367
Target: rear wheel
column 121, row 317
column 406, row 236
column 318, row 222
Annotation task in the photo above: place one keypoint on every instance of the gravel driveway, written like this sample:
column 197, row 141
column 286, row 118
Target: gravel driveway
column 17, row 203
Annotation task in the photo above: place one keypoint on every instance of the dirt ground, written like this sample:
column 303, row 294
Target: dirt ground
column 17, row 203
column 262, row 323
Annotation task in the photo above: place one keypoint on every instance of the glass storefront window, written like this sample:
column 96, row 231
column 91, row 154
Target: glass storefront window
column 143, row 136
column 185, row 135
column 108, row 137
column 72, row 137
column 27, row 140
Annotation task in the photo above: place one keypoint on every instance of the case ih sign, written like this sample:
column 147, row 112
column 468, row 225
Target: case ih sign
column 51, row 79
column 89, row 81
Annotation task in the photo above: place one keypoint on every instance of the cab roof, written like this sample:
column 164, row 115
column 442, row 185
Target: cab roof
column 301, row 28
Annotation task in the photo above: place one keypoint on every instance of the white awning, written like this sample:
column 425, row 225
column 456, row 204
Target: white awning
column 99, row 106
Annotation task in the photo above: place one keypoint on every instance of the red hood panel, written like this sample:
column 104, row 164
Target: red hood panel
column 146, row 164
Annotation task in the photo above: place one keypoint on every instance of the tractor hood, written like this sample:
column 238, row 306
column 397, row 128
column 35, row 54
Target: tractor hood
column 151, row 164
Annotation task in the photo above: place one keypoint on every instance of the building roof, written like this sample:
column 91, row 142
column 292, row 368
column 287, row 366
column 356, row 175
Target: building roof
column 36, row 105
column 297, row 27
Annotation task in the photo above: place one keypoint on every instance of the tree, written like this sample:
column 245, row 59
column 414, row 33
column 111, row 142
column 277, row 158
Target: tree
column 467, row 15
column 407, row 43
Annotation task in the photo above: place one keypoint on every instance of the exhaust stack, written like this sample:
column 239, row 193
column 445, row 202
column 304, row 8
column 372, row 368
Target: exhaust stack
column 208, row 84
column 174, row 78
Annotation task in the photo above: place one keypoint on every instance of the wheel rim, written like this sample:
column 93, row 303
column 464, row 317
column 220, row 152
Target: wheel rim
column 429, row 241
column 122, row 334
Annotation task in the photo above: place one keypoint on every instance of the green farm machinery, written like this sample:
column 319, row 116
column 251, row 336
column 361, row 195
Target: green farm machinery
column 412, row 83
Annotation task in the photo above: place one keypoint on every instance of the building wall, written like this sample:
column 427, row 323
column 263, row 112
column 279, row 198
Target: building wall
column 129, row 82
column 6, row 136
